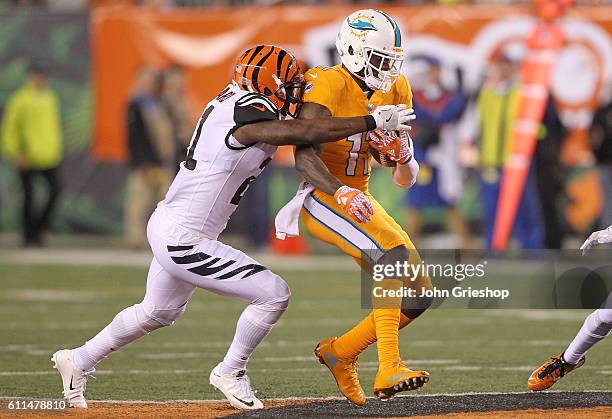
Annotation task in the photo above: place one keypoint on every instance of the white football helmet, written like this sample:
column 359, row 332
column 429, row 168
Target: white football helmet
column 370, row 47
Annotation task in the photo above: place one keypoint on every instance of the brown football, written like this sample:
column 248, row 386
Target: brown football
column 381, row 158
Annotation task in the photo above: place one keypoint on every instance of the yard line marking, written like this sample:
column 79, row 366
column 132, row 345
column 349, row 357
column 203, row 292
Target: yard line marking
column 366, row 366
column 463, row 368
column 123, row 258
column 173, row 355
column 418, row 361
column 46, row 295
column 50, row 325
column 282, row 399
column 517, row 368
column 52, row 347
column 16, row 373
column 540, row 315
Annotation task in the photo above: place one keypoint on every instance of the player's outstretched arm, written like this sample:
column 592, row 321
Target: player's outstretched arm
column 307, row 160
column 325, row 128
column 296, row 131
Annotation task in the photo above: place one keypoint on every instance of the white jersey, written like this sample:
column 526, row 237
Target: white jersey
column 219, row 169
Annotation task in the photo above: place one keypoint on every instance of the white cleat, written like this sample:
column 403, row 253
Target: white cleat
column 236, row 387
column 73, row 379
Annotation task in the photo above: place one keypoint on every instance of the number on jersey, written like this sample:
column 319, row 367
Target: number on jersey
column 358, row 140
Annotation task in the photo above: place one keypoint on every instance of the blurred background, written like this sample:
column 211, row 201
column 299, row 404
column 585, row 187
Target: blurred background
column 98, row 100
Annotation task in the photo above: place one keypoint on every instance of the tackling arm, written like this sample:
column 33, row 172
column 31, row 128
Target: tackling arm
column 323, row 129
column 298, row 131
column 307, row 160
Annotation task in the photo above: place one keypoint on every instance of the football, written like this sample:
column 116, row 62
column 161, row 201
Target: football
column 380, row 157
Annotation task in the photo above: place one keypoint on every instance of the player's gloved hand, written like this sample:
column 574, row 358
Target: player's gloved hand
column 396, row 145
column 393, row 117
column 355, row 202
column 598, row 237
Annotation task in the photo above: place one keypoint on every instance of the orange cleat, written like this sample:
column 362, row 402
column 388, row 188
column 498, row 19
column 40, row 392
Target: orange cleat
column 550, row 372
column 343, row 370
column 392, row 380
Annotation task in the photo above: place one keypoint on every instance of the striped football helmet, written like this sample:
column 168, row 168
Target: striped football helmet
column 275, row 73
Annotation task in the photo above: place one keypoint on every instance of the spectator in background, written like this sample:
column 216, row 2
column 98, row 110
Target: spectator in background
column 176, row 105
column 497, row 109
column 601, row 143
column 549, row 174
column 151, row 155
column 440, row 180
column 32, row 142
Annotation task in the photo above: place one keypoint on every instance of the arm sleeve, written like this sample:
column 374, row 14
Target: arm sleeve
column 320, row 88
column 254, row 108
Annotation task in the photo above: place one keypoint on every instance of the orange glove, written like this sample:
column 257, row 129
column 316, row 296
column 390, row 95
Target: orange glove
column 396, row 145
column 355, row 203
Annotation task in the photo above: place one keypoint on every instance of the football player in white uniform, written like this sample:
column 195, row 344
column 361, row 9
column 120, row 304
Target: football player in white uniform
column 234, row 140
column 596, row 327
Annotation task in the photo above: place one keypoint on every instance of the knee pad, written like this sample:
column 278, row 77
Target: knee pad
column 605, row 315
column 277, row 293
column 599, row 323
column 153, row 318
column 272, row 304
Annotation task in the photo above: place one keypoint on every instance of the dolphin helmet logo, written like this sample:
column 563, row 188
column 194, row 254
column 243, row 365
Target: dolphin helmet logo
column 361, row 25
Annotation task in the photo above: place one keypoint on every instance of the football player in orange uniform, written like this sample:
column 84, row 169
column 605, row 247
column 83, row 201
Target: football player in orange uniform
column 342, row 212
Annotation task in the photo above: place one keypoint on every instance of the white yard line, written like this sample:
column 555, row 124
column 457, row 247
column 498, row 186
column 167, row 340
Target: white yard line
column 314, row 367
column 129, row 258
column 316, row 399
column 199, row 323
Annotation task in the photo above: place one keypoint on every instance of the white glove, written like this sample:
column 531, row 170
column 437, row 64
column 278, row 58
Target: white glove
column 598, row 237
column 393, row 117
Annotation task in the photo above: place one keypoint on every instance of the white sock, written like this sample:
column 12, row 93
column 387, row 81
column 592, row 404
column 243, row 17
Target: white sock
column 127, row 326
column 253, row 326
column 596, row 327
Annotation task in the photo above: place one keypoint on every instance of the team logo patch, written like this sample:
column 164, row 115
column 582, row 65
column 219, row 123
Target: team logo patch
column 308, row 87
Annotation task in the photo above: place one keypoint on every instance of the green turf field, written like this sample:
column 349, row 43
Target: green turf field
column 45, row 308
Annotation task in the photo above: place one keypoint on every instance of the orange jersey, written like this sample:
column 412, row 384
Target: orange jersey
column 334, row 88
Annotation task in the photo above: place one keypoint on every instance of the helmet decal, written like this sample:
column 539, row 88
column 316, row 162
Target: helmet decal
column 361, row 23
column 396, row 30
column 260, row 63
